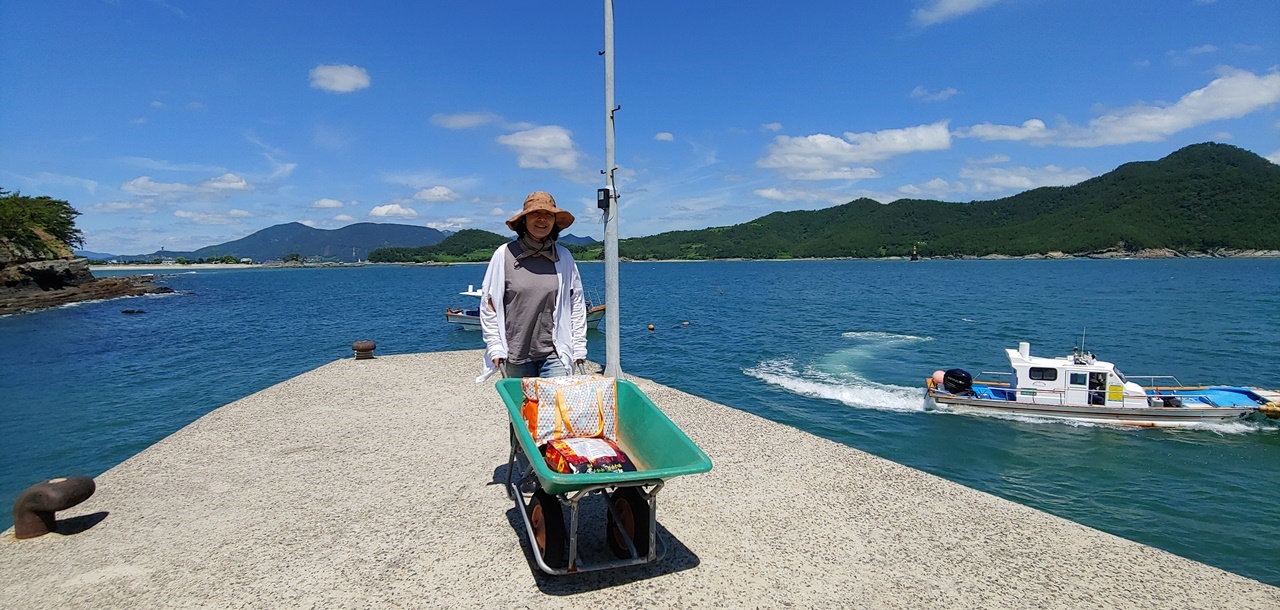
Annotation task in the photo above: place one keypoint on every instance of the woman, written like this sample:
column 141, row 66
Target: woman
column 532, row 314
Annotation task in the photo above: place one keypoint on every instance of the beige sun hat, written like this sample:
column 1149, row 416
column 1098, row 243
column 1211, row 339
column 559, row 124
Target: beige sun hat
column 542, row 200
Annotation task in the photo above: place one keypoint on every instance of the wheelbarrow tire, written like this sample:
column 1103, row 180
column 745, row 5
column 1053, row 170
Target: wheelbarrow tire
column 550, row 537
column 633, row 511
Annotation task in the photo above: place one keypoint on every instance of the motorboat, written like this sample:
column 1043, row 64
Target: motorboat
column 1082, row 388
column 469, row 318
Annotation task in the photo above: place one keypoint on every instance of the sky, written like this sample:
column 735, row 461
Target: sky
column 180, row 124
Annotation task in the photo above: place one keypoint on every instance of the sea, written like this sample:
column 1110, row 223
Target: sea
column 839, row 348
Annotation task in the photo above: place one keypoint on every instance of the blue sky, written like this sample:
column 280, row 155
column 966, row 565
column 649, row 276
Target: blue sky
column 181, row 124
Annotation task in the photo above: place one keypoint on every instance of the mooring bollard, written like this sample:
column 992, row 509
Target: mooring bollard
column 364, row 349
column 33, row 512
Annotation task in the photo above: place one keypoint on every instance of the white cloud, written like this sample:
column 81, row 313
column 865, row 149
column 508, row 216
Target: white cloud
column 1202, row 49
column 801, row 195
column 229, row 182
column 339, row 78
column 1234, row 94
column 1032, row 129
column 994, row 181
column 326, row 203
column 933, row 189
column 1274, row 157
column 124, row 206
column 343, row 218
column 145, row 186
column 664, row 136
column 205, row 218
column 162, row 165
column 309, row 223
column 932, row 96
column 772, row 127
column 393, row 210
column 437, row 194
column 195, row 107
column 1001, row 179
column 279, row 170
column 545, row 147
column 825, row 157
column 234, row 213
column 444, row 226
column 463, row 120
column 938, row 11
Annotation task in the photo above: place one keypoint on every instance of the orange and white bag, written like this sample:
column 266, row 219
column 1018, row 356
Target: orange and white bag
column 577, row 406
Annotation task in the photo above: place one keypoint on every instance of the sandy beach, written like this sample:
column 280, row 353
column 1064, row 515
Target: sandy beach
column 151, row 268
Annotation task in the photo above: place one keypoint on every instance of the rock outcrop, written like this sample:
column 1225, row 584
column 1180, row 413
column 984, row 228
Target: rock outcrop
column 30, row 280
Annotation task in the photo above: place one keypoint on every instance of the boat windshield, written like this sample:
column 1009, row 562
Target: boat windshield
column 1121, row 376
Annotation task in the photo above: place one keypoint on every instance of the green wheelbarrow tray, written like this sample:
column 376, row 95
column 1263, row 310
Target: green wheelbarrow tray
column 657, row 447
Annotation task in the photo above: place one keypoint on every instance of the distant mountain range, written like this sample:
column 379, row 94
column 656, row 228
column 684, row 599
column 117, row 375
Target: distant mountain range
column 347, row 244
column 1201, row 198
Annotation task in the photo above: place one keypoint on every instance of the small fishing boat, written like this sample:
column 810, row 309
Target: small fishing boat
column 469, row 319
column 1082, row 388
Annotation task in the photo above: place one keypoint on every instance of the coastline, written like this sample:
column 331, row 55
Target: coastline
column 1106, row 255
column 171, row 267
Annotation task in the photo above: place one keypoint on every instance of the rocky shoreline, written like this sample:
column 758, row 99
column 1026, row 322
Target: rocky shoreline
column 34, row 285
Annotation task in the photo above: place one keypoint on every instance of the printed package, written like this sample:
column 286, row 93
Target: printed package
column 586, row 455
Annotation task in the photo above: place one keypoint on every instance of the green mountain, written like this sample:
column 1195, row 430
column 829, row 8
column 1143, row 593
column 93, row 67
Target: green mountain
column 1200, row 198
column 346, row 244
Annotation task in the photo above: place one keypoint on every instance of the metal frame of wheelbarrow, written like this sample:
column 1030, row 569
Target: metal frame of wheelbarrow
column 648, row 490
column 659, row 449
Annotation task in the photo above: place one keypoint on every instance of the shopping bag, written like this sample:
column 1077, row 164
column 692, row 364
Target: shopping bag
column 577, row 406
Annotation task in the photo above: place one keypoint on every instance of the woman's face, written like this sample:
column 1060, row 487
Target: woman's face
column 539, row 223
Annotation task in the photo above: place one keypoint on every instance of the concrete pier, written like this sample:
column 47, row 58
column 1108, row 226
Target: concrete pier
column 374, row 484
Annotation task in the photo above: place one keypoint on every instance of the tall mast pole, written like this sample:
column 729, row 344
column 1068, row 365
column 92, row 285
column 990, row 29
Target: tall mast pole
column 613, row 366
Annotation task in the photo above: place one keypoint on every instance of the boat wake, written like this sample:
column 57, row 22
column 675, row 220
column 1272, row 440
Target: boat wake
column 884, row 338
column 847, row 388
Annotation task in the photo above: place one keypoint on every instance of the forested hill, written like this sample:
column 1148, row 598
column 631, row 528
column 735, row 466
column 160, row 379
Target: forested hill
column 1200, row 198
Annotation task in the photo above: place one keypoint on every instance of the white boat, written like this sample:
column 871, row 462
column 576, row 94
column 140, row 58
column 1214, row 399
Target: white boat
column 469, row 319
column 1082, row 388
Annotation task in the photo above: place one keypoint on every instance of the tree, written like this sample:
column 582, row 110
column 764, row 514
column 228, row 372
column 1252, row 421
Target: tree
column 22, row 218
column 292, row 258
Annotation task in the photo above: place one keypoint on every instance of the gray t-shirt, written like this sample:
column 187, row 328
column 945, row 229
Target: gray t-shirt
column 529, row 299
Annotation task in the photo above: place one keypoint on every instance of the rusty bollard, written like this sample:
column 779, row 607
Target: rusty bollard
column 33, row 512
column 364, row 349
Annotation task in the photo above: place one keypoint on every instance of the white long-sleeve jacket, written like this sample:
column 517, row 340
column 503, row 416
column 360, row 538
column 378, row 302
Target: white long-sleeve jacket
column 569, row 330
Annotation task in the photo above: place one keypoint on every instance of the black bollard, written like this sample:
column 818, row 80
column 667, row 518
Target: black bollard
column 33, row 512
column 364, row 349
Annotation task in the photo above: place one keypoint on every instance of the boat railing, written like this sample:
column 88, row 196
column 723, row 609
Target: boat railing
column 1166, row 381
column 1002, row 377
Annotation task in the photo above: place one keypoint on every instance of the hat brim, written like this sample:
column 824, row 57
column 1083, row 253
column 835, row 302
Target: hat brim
column 563, row 219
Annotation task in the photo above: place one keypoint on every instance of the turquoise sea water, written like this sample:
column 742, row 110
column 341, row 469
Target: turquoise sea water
column 838, row 348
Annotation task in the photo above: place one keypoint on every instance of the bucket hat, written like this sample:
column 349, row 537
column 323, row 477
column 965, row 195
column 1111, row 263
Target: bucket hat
column 541, row 200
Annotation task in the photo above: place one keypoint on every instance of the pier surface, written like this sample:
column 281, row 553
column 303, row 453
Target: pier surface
column 376, row 483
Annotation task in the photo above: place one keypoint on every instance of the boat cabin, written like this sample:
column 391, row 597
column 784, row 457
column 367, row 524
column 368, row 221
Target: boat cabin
column 1078, row 379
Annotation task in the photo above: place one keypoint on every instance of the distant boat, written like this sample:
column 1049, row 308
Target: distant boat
column 469, row 319
column 1082, row 388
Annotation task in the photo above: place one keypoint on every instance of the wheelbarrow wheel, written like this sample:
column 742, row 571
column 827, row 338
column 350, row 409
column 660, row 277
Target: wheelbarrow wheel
column 633, row 518
column 549, row 535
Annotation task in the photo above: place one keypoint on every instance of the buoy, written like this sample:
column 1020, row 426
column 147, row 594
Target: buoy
column 684, row 323
column 1271, row 409
column 650, row 327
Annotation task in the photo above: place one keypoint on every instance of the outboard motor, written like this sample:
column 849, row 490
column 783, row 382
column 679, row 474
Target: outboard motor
column 958, row 381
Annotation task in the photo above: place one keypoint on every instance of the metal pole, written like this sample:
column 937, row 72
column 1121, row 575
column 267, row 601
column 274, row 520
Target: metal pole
column 613, row 365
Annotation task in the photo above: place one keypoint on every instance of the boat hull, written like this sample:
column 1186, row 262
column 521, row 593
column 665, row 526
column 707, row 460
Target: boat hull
column 1125, row 416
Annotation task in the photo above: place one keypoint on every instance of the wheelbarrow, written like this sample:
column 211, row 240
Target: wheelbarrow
column 657, row 447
